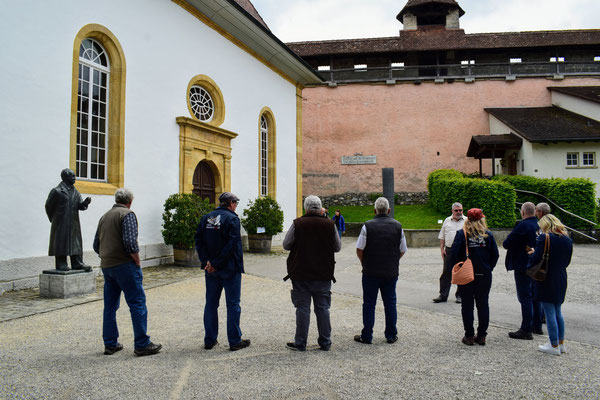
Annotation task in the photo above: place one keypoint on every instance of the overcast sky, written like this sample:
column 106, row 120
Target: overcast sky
column 301, row 20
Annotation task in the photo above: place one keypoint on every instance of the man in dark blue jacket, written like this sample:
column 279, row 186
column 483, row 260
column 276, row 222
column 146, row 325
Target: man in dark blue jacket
column 516, row 243
column 219, row 246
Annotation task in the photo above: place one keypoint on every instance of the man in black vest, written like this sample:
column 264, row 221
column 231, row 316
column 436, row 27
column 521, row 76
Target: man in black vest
column 313, row 240
column 380, row 246
column 116, row 243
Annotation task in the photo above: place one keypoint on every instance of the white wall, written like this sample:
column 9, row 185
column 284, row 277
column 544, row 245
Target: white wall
column 164, row 48
column 577, row 105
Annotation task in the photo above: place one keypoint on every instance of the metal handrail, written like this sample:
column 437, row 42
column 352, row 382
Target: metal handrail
column 564, row 211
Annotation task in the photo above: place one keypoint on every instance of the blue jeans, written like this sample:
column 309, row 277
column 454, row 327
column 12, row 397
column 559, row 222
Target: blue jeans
column 320, row 292
column 476, row 293
column 126, row 278
column 554, row 322
column 214, row 288
column 371, row 286
column 530, row 310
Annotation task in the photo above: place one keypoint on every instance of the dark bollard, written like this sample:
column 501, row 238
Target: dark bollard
column 388, row 187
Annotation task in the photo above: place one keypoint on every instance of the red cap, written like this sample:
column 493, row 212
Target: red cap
column 475, row 214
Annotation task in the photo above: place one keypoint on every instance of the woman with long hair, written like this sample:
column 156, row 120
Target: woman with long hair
column 551, row 291
column 339, row 222
column 483, row 253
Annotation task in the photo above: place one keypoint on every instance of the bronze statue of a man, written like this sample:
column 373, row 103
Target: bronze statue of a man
column 62, row 207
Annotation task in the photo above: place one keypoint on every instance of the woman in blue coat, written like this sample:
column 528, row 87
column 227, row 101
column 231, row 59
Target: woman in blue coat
column 483, row 253
column 339, row 222
column 551, row 291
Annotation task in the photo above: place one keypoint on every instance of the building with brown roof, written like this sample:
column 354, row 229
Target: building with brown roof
column 415, row 101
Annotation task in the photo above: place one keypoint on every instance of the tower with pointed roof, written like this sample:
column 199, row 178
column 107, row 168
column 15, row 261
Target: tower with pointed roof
column 422, row 14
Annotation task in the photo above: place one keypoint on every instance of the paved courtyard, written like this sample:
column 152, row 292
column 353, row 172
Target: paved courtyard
column 56, row 353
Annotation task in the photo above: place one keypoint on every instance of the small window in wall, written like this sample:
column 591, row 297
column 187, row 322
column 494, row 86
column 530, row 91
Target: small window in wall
column 555, row 59
column 92, row 112
column 515, row 60
column 597, row 58
column 324, row 68
column 467, row 62
column 572, row 159
column 397, row 65
column 201, row 103
column 360, row 67
column 588, row 160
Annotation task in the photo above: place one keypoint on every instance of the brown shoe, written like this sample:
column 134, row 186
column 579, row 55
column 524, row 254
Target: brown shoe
column 480, row 340
column 468, row 340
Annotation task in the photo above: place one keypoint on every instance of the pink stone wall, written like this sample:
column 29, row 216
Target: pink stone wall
column 405, row 126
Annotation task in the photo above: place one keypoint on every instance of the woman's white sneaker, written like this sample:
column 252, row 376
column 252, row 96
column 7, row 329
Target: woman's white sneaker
column 562, row 348
column 547, row 348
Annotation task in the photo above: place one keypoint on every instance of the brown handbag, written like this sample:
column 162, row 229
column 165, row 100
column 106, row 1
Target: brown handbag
column 538, row 271
column 462, row 272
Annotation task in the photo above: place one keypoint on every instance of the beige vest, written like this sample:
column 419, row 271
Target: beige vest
column 112, row 250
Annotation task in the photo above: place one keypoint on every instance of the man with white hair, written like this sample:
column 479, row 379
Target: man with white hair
column 542, row 209
column 116, row 243
column 451, row 225
column 312, row 241
column 380, row 246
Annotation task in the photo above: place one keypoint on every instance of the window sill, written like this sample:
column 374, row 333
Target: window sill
column 586, row 167
column 90, row 187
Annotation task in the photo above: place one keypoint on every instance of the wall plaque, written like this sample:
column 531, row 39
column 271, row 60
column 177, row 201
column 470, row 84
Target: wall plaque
column 353, row 160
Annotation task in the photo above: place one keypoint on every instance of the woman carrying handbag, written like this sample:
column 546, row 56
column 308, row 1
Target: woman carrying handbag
column 483, row 252
column 551, row 291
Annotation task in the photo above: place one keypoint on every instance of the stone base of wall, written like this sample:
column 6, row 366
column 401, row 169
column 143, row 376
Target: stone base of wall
column 23, row 273
column 362, row 199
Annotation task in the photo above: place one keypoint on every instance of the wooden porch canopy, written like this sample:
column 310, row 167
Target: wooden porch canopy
column 492, row 146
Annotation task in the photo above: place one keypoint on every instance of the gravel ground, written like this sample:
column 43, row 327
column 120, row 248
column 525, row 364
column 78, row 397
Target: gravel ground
column 57, row 355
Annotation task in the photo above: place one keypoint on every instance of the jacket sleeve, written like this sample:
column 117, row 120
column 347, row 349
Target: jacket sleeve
column 51, row 204
column 343, row 224
column 232, row 237
column 494, row 255
column 514, row 238
column 536, row 257
column 457, row 251
column 200, row 246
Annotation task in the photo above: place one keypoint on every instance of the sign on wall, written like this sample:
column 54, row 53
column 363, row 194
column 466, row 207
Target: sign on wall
column 353, row 160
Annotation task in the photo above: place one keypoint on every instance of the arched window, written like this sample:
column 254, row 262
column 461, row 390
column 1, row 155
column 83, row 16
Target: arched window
column 205, row 100
column 267, row 154
column 92, row 111
column 97, row 147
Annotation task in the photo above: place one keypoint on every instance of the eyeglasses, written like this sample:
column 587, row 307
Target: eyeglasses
column 457, row 210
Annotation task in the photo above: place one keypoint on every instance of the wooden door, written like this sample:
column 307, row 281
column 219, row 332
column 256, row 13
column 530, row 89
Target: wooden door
column 204, row 181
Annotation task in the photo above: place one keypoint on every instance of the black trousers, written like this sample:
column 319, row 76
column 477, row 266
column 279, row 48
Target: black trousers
column 446, row 278
column 477, row 294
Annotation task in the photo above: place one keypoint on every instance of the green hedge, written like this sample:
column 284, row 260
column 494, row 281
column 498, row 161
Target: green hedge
column 576, row 195
column 495, row 198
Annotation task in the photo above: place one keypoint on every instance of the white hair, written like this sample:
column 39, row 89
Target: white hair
column 123, row 196
column 382, row 205
column 544, row 208
column 457, row 204
column 312, row 204
column 528, row 208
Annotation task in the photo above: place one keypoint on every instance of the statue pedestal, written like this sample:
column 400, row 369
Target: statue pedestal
column 62, row 284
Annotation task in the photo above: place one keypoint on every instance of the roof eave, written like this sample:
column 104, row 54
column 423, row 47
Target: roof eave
column 232, row 18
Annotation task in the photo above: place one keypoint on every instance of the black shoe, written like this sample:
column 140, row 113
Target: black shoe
column 537, row 331
column 468, row 340
column 360, row 339
column 480, row 340
column 439, row 299
column 325, row 348
column 294, row 347
column 520, row 334
column 110, row 350
column 148, row 350
column 241, row 345
column 210, row 346
column 458, row 299
column 392, row 339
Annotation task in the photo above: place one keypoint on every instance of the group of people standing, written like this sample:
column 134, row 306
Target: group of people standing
column 525, row 247
column 312, row 241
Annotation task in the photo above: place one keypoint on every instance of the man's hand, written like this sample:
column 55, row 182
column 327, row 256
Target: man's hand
column 443, row 252
column 209, row 268
column 87, row 201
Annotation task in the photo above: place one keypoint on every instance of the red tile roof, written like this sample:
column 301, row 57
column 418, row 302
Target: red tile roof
column 429, row 40
column 249, row 7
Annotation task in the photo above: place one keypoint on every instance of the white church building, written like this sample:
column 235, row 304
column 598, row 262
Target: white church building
column 158, row 96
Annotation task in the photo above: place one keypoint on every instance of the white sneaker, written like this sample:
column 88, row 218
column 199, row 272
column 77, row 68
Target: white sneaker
column 547, row 348
column 562, row 348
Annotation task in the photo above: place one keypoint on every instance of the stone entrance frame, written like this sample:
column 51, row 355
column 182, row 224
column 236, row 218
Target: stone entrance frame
column 199, row 141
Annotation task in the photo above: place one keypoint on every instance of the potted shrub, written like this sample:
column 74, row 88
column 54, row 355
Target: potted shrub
column 262, row 219
column 180, row 219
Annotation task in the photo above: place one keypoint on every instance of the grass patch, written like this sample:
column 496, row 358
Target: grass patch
column 420, row 216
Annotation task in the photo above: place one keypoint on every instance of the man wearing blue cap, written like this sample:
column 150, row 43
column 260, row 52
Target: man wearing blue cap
column 219, row 246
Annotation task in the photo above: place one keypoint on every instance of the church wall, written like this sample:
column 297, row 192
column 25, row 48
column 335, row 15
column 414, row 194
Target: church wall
column 405, row 126
column 164, row 47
